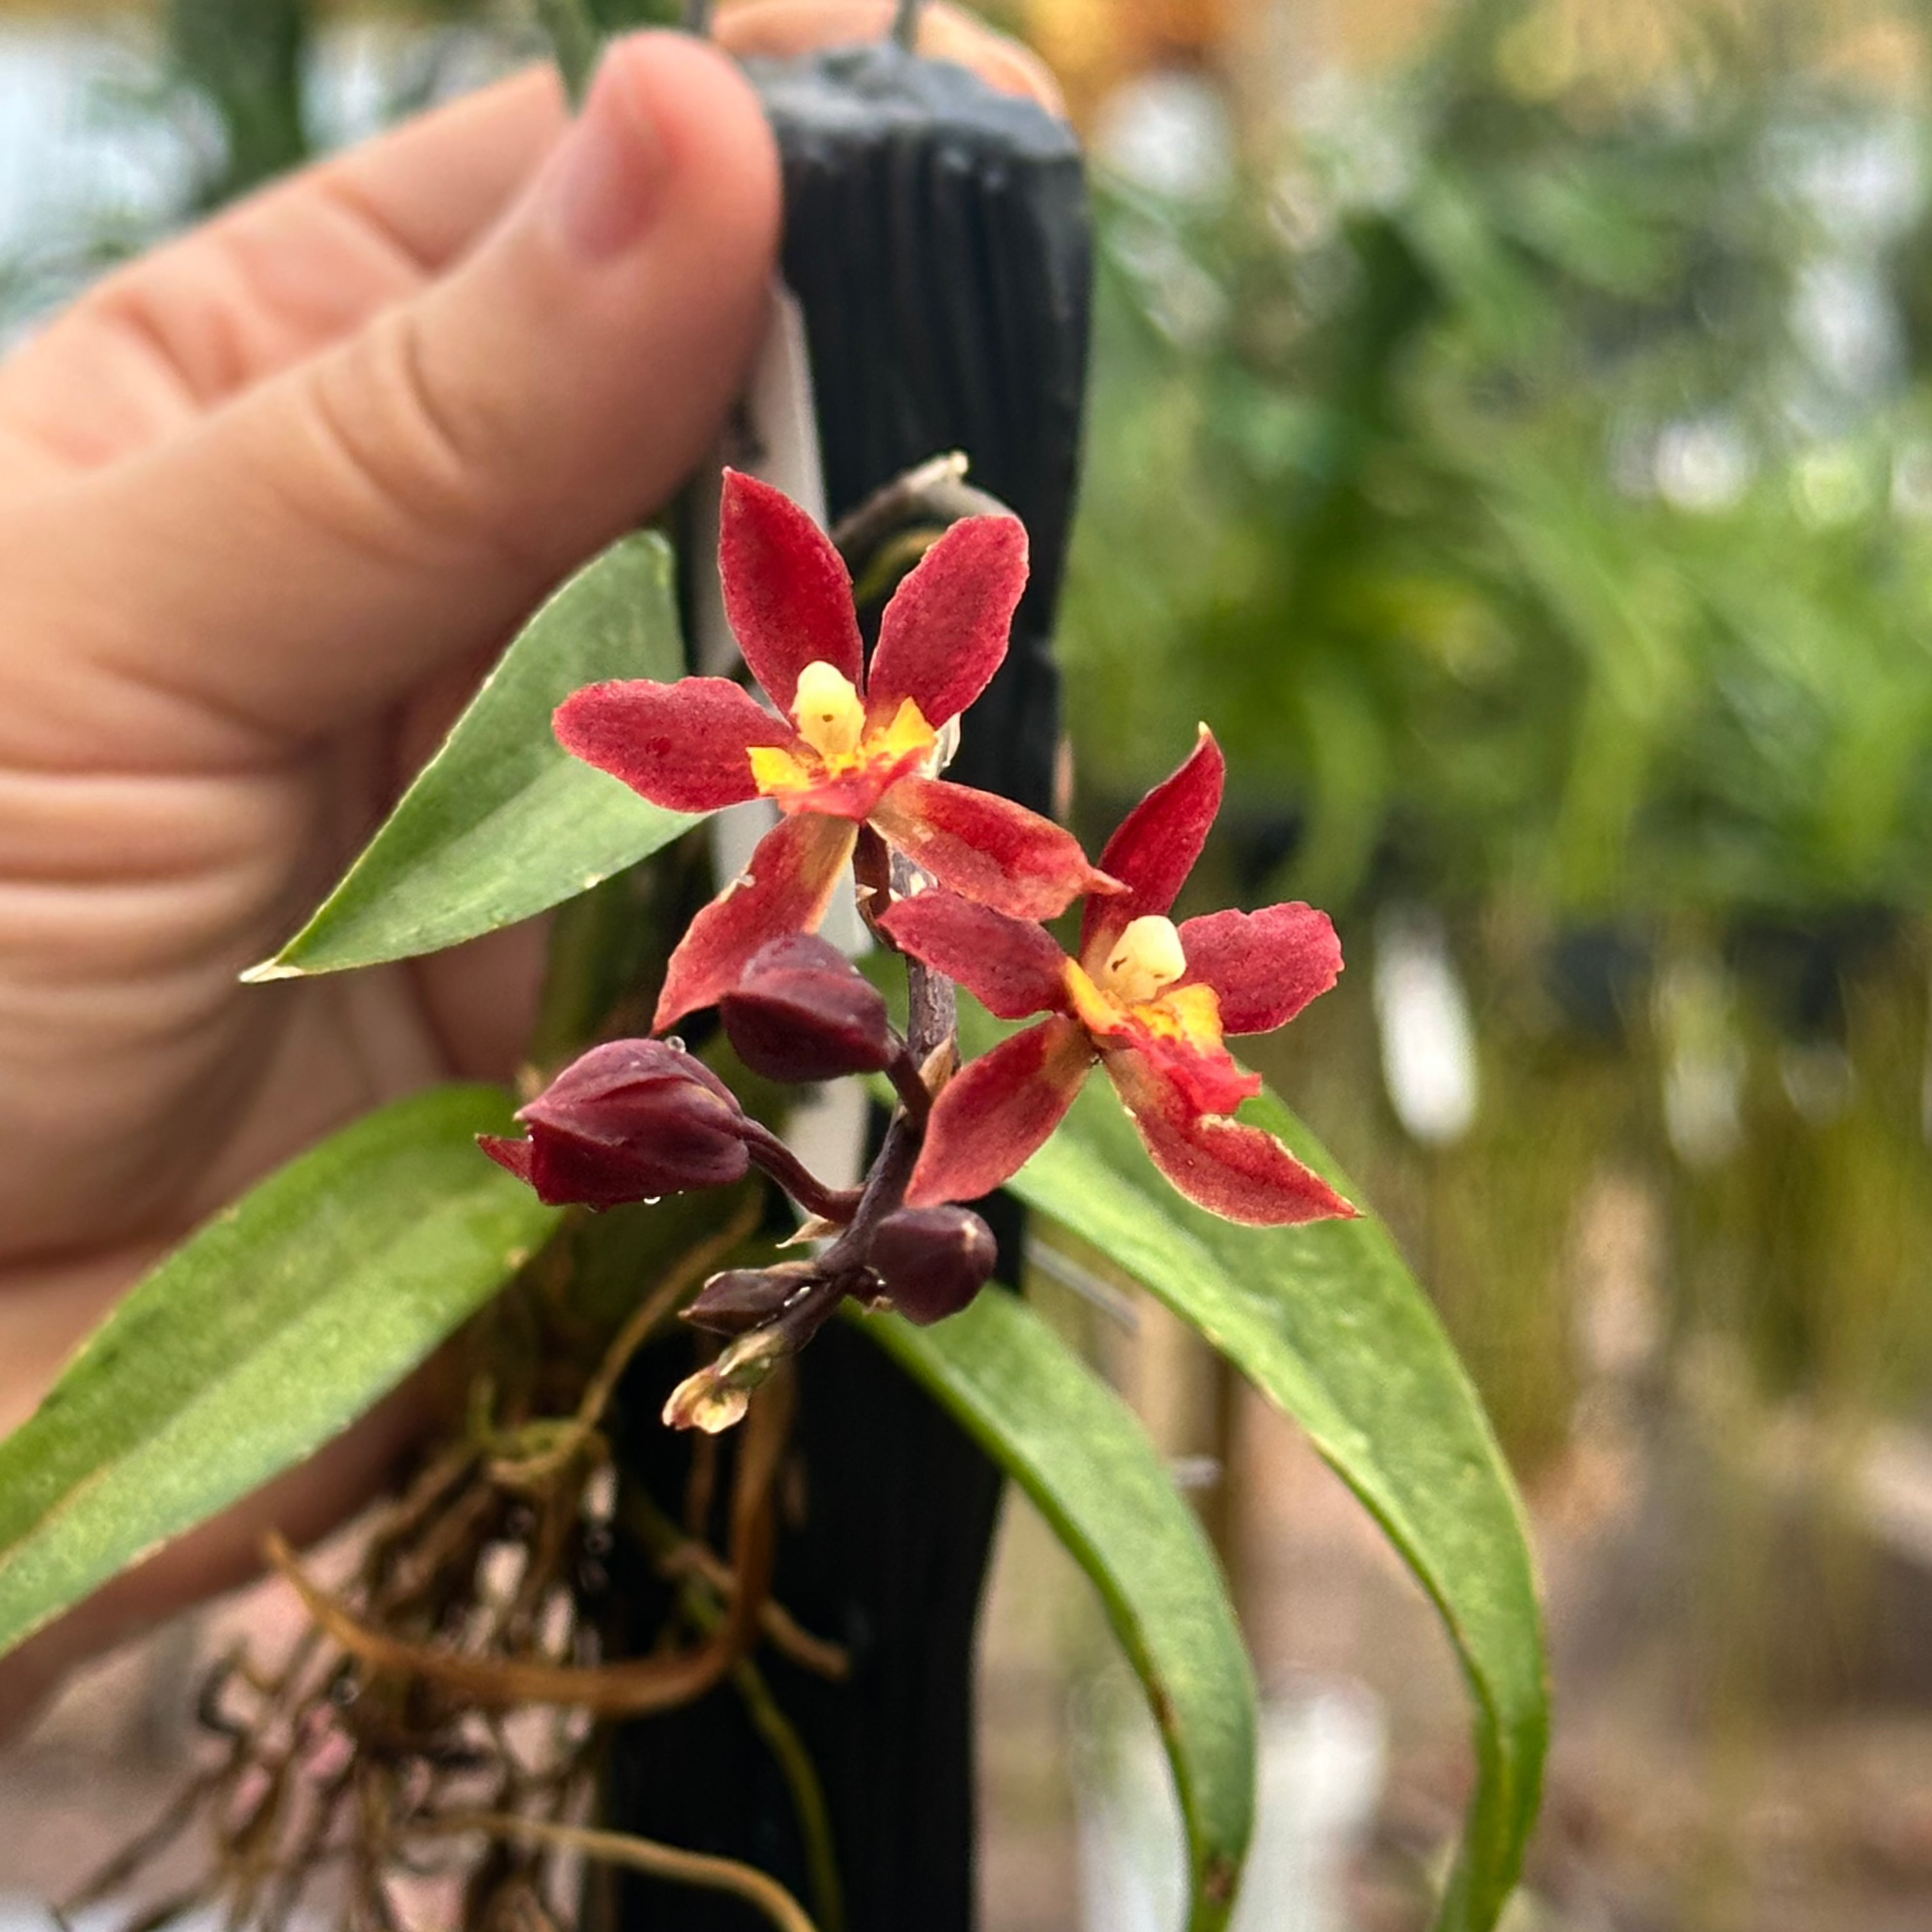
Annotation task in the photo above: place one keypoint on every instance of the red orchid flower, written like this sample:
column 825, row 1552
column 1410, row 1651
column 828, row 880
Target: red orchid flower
column 1149, row 1000
column 853, row 748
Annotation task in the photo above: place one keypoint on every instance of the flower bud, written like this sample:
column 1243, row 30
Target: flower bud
column 627, row 1121
column 716, row 1398
column 742, row 1298
column 930, row 1262
column 802, row 1011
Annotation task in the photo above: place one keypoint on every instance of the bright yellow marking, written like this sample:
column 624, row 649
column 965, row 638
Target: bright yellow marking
column 1145, row 958
column 1188, row 1016
column 907, row 732
column 834, row 745
column 1191, row 1015
column 830, row 712
column 1092, row 1008
column 774, row 769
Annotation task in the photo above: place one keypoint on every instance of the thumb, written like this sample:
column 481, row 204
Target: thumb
column 305, row 554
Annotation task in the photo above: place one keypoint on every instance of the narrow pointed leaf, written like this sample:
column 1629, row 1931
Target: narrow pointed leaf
column 503, row 823
column 575, row 38
column 1328, row 1323
column 278, row 1323
column 1082, row 1457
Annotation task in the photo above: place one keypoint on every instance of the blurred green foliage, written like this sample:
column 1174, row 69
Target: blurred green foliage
column 1532, row 483
column 244, row 59
column 1525, row 466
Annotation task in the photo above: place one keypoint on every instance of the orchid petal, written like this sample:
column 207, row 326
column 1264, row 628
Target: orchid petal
column 997, row 1112
column 786, row 888
column 987, row 848
column 1263, row 967
column 686, row 746
column 787, row 595
column 944, row 633
column 1156, row 847
column 1234, row 1170
column 515, row 1156
column 1191, row 1058
column 1011, row 966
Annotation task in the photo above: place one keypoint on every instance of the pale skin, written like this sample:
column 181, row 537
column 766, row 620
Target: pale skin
column 270, row 498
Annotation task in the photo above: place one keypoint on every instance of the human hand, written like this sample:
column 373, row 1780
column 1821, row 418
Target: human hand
column 270, row 499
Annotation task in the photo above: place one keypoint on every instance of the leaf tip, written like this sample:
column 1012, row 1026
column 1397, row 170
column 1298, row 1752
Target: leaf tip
column 276, row 968
column 1221, row 1880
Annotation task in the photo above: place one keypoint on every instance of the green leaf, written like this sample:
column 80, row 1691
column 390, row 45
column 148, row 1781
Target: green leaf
column 1079, row 1453
column 280, row 1322
column 1328, row 1322
column 503, row 823
column 574, row 39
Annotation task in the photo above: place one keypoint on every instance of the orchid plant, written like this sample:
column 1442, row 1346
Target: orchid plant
column 955, row 879
column 586, row 755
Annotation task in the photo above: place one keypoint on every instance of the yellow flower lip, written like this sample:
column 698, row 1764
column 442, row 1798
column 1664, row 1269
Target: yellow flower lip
column 1132, row 994
column 1143, row 962
column 828, row 710
column 836, row 745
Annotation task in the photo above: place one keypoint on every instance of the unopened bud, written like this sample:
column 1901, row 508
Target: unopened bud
column 743, row 1298
column 930, row 1262
column 802, row 1011
column 627, row 1121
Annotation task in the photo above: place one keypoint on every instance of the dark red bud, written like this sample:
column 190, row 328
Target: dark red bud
column 802, row 1011
column 627, row 1121
column 930, row 1262
column 743, row 1298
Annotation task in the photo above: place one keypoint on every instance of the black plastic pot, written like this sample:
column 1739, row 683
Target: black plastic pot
column 937, row 238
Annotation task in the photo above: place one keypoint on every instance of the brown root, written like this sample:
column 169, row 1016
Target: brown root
column 441, row 1719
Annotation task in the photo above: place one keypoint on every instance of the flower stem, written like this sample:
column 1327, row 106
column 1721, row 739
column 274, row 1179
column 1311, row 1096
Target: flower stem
column 932, row 1020
column 836, row 1204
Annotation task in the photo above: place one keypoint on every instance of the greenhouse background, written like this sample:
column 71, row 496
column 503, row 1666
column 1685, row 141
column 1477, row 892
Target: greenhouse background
column 1512, row 431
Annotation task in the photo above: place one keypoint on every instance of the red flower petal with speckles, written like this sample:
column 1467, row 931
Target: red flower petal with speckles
column 786, row 888
column 686, row 746
column 997, row 1112
column 1264, row 966
column 787, row 595
column 944, row 633
column 988, row 848
column 1209, row 1080
column 1011, row 966
column 1232, row 1170
column 1156, row 845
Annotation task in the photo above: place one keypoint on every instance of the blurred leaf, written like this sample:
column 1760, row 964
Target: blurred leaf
column 1327, row 1322
column 503, row 823
column 245, row 58
column 278, row 1323
column 1084, row 1460
column 1591, row 229
column 574, row 39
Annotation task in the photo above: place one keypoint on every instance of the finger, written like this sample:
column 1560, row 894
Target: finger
column 279, row 277
column 786, row 28
column 309, row 552
column 309, row 260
